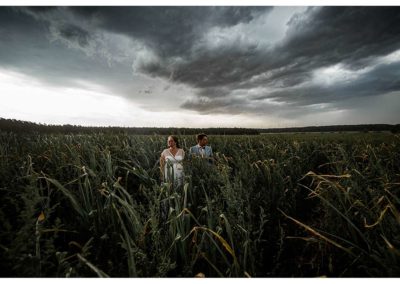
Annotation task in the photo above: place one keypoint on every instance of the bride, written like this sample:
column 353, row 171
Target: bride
column 171, row 162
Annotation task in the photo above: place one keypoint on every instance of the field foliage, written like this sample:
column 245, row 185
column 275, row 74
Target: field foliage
column 289, row 205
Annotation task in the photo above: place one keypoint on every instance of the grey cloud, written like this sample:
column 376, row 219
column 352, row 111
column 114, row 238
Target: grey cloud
column 381, row 80
column 320, row 37
column 28, row 46
column 294, row 101
column 373, row 109
column 344, row 34
column 25, row 48
column 171, row 31
column 325, row 36
column 213, row 92
column 241, row 105
column 75, row 34
column 60, row 25
column 168, row 31
column 219, row 105
column 38, row 41
column 40, row 9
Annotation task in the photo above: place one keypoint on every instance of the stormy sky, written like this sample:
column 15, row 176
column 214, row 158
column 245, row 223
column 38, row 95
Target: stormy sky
column 200, row 66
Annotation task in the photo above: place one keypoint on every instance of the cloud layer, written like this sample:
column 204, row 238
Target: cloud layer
column 282, row 61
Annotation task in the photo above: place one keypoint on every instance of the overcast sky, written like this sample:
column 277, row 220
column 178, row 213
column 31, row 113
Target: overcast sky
column 200, row 66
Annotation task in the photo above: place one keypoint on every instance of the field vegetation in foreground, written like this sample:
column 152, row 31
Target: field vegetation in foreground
column 271, row 206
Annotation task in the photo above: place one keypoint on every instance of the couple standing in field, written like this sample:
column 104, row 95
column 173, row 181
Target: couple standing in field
column 171, row 160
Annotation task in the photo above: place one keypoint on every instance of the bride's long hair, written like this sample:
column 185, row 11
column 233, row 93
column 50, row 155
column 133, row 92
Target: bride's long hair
column 176, row 140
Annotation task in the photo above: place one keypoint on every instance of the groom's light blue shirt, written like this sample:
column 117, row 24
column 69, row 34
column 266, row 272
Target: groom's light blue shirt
column 204, row 152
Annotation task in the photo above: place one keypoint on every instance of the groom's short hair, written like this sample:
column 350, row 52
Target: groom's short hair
column 201, row 136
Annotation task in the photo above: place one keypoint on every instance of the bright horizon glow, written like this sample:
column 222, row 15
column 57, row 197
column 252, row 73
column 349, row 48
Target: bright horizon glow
column 25, row 98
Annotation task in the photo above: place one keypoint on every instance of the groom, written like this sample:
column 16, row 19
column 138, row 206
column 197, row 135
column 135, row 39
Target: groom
column 201, row 149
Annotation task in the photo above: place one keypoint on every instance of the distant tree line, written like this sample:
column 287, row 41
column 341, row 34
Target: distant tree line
column 19, row 126
column 337, row 128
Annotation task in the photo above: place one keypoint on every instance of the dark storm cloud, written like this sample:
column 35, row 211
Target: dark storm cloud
column 170, row 31
column 344, row 34
column 379, row 81
column 25, row 47
column 220, row 105
column 321, row 37
column 57, row 24
column 61, row 44
column 75, row 34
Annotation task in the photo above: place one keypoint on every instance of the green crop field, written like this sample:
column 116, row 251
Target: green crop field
column 290, row 205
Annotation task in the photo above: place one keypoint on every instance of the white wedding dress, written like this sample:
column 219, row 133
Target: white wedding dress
column 173, row 169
